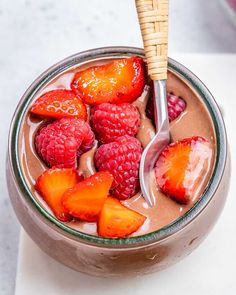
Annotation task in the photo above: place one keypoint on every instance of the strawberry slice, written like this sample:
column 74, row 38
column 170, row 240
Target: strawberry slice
column 118, row 221
column 119, row 81
column 59, row 103
column 52, row 184
column 86, row 199
column 181, row 168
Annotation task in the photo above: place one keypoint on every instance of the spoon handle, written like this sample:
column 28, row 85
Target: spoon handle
column 153, row 20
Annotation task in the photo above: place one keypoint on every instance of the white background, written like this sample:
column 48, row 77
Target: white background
column 36, row 34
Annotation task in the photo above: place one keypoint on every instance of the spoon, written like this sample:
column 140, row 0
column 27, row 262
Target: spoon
column 153, row 20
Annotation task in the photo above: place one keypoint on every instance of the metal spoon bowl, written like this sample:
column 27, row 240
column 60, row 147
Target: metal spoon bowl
column 157, row 144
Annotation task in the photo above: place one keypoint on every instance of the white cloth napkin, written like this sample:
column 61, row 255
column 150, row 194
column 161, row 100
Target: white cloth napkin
column 210, row 269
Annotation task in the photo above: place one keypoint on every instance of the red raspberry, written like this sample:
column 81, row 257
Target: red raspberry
column 110, row 121
column 61, row 142
column 121, row 158
column 176, row 106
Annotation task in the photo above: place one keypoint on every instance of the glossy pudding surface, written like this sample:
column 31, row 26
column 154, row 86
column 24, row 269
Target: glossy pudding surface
column 194, row 121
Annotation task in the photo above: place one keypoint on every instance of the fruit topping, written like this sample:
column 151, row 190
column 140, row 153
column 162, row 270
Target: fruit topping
column 121, row 80
column 118, row 221
column 59, row 103
column 60, row 143
column 110, row 121
column 52, row 184
column 176, row 106
column 112, row 98
column 121, row 158
column 86, row 199
column 181, row 167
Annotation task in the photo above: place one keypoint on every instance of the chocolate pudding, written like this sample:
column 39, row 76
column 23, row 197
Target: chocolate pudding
column 195, row 120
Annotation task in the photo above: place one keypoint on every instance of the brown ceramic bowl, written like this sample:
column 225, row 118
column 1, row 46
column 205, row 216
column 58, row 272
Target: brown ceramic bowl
column 133, row 255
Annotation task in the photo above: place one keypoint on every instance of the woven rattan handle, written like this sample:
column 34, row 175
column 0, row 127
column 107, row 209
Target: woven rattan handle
column 153, row 20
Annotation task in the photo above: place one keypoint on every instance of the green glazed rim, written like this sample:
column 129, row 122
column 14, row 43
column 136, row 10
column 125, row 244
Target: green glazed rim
column 153, row 237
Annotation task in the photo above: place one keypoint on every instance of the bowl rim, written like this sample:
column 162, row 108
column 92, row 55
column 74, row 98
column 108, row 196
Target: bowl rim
column 149, row 238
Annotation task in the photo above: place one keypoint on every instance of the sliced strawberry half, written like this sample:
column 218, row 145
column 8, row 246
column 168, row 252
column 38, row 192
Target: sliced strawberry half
column 59, row 103
column 52, row 184
column 182, row 166
column 119, row 81
column 118, row 221
column 86, row 199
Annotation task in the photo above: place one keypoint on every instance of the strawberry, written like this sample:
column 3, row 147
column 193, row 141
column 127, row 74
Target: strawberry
column 86, row 199
column 119, row 81
column 110, row 121
column 181, row 167
column 118, row 221
column 59, row 103
column 52, row 184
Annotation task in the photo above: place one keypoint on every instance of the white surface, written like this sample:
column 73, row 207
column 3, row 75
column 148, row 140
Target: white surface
column 36, row 34
column 210, row 269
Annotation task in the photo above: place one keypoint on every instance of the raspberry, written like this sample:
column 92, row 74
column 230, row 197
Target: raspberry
column 121, row 158
column 176, row 106
column 61, row 142
column 110, row 121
